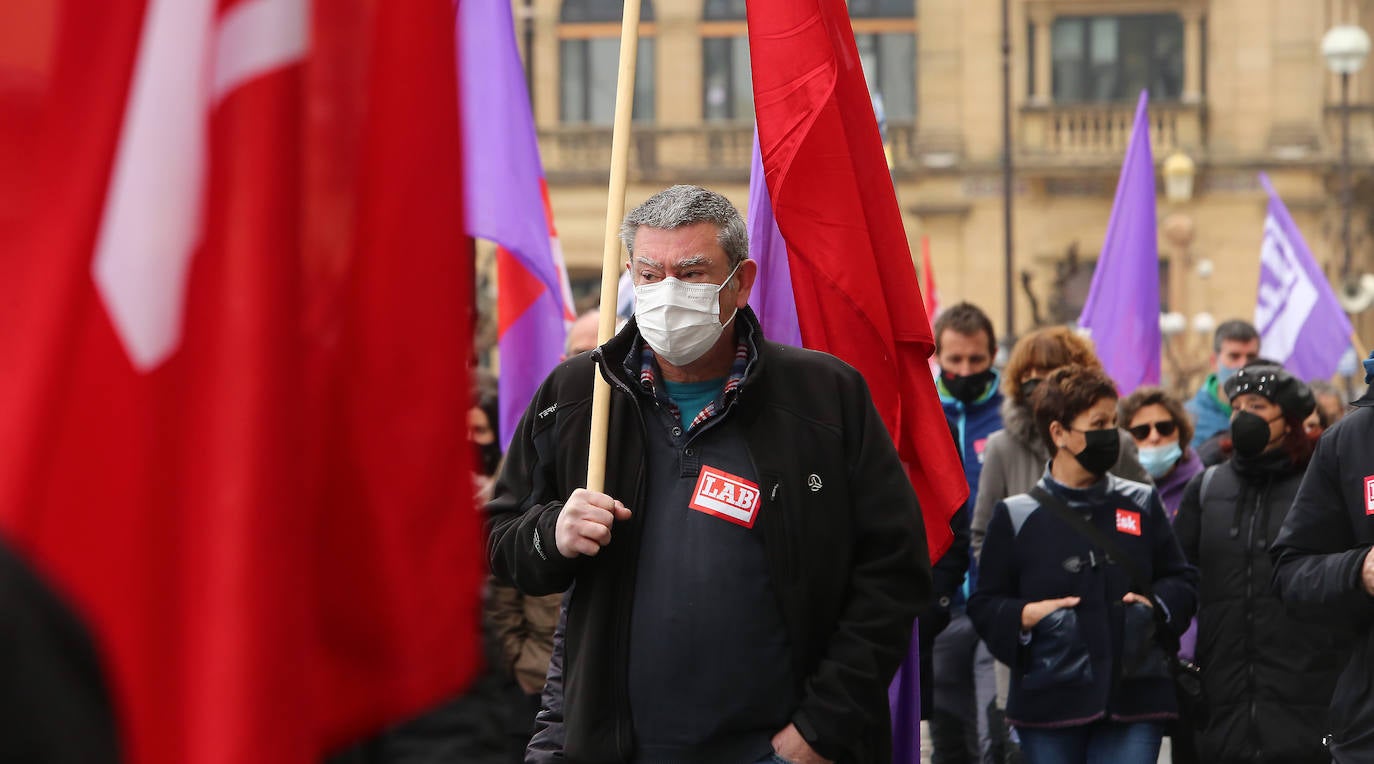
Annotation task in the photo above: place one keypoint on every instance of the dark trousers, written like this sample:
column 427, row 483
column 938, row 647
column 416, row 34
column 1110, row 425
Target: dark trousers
column 964, row 690
column 523, row 709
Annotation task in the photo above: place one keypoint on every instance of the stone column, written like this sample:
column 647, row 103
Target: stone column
column 1042, row 18
column 1192, row 55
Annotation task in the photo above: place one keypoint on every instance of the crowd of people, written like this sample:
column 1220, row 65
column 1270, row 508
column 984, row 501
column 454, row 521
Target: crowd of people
column 1126, row 569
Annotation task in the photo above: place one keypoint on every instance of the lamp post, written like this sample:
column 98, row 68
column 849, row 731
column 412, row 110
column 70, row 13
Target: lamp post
column 1009, row 333
column 1345, row 48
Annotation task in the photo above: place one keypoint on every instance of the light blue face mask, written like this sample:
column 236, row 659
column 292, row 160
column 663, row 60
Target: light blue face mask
column 1158, row 460
column 1224, row 373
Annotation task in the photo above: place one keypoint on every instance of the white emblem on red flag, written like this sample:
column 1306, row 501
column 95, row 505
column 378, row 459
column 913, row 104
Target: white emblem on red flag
column 726, row 496
column 154, row 207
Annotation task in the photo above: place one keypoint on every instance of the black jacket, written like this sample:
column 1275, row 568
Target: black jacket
column 1268, row 669
column 1084, row 663
column 1319, row 556
column 55, row 706
column 848, row 561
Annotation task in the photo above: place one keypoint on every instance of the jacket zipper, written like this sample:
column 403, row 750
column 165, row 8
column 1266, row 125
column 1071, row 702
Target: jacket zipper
column 624, row 730
column 1249, row 618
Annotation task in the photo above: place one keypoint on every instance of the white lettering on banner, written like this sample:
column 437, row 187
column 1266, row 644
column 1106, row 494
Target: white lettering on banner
column 1128, row 522
column 1286, row 294
column 154, row 206
column 726, row 496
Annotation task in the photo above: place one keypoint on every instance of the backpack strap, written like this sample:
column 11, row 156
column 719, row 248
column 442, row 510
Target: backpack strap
column 1206, row 481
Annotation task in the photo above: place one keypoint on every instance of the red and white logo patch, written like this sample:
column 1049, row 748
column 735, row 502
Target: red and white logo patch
column 1369, row 495
column 1128, row 522
column 729, row 497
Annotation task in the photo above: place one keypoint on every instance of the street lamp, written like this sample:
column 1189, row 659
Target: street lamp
column 1345, row 48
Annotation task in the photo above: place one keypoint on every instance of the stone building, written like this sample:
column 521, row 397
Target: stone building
column 1237, row 87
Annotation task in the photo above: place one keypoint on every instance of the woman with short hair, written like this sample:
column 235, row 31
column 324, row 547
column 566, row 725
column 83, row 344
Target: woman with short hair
column 1015, row 456
column 1090, row 681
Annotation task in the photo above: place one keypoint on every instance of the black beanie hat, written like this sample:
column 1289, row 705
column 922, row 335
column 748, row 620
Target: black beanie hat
column 1274, row 383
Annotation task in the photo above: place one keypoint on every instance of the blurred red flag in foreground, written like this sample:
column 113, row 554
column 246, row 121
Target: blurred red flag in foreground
column 852, row 274
column 232, row 414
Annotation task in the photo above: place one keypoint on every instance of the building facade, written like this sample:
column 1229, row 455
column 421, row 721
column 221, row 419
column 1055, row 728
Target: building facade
column 1237, row 86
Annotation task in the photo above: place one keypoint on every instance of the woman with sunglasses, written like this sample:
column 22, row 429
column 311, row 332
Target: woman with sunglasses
column 1162, row 432
column 1269, row 669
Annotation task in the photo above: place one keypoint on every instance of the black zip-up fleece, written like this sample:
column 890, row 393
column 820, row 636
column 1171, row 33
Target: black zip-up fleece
column 1318, row 559
column 842, row 535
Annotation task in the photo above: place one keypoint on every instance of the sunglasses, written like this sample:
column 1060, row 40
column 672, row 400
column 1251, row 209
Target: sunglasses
column 1165, row 428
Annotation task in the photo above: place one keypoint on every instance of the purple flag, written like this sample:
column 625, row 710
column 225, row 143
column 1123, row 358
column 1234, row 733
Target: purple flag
column 772, row 298
column 507, row 203
column 904, row 704
column 1300, row 321
column 1122, row 312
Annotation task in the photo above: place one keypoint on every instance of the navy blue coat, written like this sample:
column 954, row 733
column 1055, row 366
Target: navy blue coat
column 1082, row 664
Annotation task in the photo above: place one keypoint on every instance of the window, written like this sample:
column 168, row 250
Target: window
column 891, row 8
column 1113, row 58
column 726, row 89
column 885, row 32
column 589, row 61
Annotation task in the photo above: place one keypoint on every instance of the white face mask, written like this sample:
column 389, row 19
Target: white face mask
column 680, row 320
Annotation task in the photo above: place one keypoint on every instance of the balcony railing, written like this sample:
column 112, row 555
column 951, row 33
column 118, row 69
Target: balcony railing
column 703, row 153
column 1098, row 131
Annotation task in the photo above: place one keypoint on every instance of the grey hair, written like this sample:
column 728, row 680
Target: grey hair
column 684, row 205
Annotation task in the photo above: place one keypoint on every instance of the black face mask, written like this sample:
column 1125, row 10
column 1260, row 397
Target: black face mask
column 1101, row 451
column 1028, row 387
column 488, row 457
column 1250, row 434
column 967, row 388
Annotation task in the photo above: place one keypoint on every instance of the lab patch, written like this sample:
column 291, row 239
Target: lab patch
column 1369, row 495
column 726, row 496
column 1128, row 522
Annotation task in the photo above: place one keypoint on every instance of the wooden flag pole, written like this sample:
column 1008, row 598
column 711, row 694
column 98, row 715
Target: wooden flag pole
column 610, row 262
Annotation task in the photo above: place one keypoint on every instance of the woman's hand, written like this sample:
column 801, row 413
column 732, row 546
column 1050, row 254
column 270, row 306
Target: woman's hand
column 1130, row 598
column 1034, row 612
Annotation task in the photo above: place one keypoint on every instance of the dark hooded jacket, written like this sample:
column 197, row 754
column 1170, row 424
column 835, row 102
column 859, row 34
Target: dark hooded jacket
column 1268, row 669
column 1079, row 664
column 1319, row 557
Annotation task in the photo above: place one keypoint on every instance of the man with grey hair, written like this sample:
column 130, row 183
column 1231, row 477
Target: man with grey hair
column 744, row 589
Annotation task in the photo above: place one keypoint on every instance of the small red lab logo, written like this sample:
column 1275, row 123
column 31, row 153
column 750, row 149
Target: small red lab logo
column 1369, row 495
column 726, row 496
column 1128, row 522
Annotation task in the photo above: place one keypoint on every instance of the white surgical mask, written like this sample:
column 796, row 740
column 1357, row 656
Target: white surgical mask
column 680, row 320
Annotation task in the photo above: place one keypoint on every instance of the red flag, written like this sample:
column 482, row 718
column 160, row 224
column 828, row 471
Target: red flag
column 232, row 416
column 852, row 273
